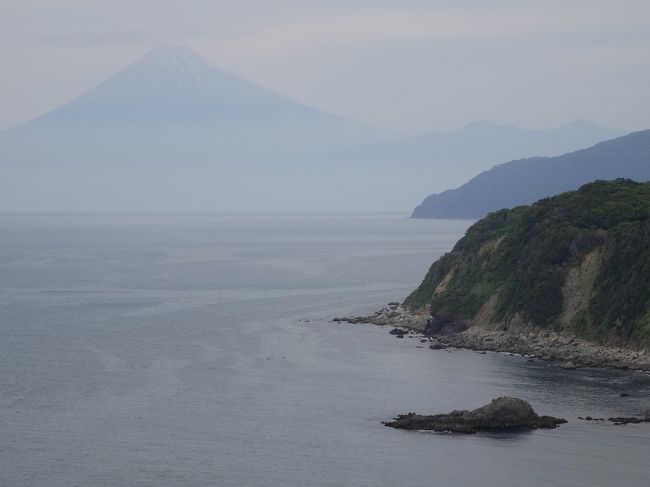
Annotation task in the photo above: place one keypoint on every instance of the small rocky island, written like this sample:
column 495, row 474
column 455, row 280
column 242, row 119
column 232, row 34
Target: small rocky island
column 502, row 414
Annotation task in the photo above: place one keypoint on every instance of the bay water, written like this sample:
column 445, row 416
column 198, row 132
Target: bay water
column 198, row 349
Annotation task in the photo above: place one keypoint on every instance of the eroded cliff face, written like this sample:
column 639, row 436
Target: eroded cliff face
column 577, row 264
column 578, row 287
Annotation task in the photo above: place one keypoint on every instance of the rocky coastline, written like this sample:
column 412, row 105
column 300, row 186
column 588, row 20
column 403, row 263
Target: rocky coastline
column 570, row 352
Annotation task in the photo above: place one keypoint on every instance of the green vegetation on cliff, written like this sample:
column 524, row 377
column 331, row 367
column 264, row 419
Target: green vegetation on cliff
column 577, row 262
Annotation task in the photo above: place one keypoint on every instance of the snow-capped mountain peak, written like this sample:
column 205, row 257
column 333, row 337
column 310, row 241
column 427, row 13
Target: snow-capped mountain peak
column 163, row 60
column 172, row 84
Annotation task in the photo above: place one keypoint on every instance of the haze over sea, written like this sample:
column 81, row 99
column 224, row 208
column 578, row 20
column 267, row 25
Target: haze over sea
column 178, row 350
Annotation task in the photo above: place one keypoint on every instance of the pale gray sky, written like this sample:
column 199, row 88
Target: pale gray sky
column 409, row 65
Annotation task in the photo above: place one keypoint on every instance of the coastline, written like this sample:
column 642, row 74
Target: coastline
column 571, row 352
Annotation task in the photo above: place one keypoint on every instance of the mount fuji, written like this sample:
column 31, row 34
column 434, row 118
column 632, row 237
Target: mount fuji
column 172, row 106
column 170, row 132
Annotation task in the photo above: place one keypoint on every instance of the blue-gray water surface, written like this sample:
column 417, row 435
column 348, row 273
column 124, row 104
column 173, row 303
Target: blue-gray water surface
column 191, row 350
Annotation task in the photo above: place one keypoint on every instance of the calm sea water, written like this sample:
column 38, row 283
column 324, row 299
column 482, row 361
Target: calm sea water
column 197, row 350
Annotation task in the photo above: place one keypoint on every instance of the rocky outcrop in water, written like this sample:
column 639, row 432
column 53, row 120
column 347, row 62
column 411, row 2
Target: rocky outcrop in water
column 392, row 314
column 502, row 414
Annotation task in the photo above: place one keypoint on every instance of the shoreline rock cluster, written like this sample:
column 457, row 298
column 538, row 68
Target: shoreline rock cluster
column 570, row 352
column 502, row 414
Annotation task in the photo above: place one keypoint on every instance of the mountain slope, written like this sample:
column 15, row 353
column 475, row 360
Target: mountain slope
column 576, row 263
column 524, row 181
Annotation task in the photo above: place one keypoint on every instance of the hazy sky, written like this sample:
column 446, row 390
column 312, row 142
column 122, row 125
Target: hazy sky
column 411, row 65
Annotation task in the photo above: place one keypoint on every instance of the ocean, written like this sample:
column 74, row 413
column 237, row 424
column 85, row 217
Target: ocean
column 198, row 349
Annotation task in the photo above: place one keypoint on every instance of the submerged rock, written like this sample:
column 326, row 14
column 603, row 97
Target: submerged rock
column 568, row 365
column 355, row 320
column 504, row 413
column 630, row 419
column 398, row 331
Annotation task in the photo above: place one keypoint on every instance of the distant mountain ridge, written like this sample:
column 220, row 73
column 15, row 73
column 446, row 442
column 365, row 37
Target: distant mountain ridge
column 450, row 158
column 524, row 181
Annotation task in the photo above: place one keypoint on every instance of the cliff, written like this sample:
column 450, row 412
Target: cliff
column 577, row 264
